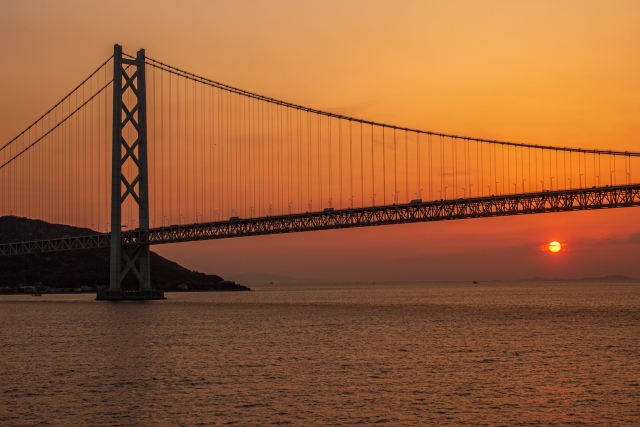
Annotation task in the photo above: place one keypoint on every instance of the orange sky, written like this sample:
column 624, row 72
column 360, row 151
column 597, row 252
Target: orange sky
column 556, row 72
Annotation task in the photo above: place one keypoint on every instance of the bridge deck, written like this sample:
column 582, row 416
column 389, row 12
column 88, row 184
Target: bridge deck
column 438, row 210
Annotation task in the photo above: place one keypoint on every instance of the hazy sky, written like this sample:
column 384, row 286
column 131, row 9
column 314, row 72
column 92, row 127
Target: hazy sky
column 543, row 72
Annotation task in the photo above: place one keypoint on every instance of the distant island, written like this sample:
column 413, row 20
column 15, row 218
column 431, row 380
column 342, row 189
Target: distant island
column 606, row 278
column 613, row 277
column 255, row 277
column 87, row 270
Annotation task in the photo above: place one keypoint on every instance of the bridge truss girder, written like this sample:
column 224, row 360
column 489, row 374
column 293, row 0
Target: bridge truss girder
column 439, row 210
column 56, row 245
column 481, row 207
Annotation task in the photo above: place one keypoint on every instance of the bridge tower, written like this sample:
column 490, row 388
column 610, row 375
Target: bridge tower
column 129, row 144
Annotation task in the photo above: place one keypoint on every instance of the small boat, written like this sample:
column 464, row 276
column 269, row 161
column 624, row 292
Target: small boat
column 37, row 294
column 475, row 282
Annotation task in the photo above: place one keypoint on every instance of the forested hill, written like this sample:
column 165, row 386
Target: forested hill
column 87, row 267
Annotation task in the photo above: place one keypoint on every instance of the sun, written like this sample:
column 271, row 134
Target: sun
column 555, row 246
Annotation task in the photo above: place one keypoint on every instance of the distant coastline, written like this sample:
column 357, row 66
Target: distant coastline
column 257, row 277
column 613, row 277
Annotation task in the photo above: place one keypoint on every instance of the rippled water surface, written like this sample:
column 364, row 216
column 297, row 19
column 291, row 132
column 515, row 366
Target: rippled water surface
column 392, row 354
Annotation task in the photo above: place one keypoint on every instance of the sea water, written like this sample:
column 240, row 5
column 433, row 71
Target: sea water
column 409, row 354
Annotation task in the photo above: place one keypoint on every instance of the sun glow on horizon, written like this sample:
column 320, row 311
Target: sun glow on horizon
column 555, row 246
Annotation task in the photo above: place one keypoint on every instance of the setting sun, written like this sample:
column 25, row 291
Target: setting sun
column 555, row 246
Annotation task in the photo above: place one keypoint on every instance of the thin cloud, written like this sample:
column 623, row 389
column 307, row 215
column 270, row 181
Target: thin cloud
column 633, row 239
column 545, row 248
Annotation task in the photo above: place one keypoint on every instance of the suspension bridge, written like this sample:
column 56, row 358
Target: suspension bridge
column 143, row 153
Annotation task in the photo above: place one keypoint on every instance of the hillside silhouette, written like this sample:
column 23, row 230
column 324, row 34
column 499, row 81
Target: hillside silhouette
column 87, row 267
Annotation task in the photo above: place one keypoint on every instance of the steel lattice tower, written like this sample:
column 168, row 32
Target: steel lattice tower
column 129, row 75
